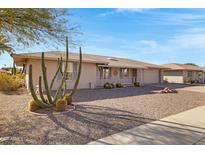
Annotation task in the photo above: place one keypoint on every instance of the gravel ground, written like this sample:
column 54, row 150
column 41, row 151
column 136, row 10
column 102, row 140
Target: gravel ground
column 99, row 113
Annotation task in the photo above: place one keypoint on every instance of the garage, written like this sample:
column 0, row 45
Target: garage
column 151, row 76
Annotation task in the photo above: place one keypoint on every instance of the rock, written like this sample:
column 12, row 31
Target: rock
column 168, row 90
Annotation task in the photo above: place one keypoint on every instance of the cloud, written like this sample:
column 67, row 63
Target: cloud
column 120, row 10
column 192, row 38
column 124, row 10
column 149, row 43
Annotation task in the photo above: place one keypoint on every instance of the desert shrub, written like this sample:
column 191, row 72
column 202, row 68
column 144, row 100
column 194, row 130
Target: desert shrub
column 192, row 81
column 189, row 80
column 20, row 75
column 9, row 82
column 61, row 105
column 108, row 85
column 165, row 81
column 136, row 84
column 119, row 85
column 112, row 85
column 32, row 106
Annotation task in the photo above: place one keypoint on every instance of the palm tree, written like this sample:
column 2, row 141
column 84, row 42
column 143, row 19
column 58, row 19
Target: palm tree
column 4, row 45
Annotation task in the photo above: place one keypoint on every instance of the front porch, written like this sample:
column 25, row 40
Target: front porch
column 125, row 76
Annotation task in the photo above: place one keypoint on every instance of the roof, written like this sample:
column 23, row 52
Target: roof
column 174, row 66
column 90, row 58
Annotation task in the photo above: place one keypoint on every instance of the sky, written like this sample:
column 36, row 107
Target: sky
column 156, row 36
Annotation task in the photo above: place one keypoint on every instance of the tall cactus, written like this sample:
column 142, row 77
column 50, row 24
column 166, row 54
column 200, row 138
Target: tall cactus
column 78, row 76
column 51, row 101
column 59, row 69
column 44, row 72
column 33, row 94
column 57, row 95
column 40, row 90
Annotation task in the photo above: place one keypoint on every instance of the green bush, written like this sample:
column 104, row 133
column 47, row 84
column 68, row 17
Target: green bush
column 9, row 82
column 108, row 85
column 119, row 85
column 136, row 84
column 192, row 81
column 112, row 85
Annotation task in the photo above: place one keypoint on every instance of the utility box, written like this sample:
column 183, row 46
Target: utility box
column 91, row 85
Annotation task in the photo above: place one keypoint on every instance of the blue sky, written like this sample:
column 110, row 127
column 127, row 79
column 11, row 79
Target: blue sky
column 152, row 35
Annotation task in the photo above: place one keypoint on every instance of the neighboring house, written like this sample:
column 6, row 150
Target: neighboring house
column 96, row 70
column 183, row 73
column 4, row 71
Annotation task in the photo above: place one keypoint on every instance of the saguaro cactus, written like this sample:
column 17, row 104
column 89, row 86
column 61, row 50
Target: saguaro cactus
column 51, row 101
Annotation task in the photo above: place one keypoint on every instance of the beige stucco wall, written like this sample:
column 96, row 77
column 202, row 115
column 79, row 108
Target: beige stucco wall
column 174, row 76
column 88, row 74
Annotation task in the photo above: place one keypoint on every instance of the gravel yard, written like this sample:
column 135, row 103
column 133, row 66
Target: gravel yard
column 99, row 113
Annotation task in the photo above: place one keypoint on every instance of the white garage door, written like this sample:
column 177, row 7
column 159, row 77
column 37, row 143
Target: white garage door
column 151, row 76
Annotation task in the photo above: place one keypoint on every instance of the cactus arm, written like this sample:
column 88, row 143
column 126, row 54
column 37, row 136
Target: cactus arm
column 58, row 69
column 61, row 70
column 57, row 95
column 41, row 91
column 33, row 94
column 78, row 77
column 44, row 72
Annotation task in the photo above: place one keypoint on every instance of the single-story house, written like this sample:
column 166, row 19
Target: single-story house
column 183, row 73
column 96, row 69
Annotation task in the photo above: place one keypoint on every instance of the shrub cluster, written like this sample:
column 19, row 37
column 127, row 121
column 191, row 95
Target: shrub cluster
column 136, row 84
column 191, row 81
column 9, row 82
column 119, row 85
column 108, row 85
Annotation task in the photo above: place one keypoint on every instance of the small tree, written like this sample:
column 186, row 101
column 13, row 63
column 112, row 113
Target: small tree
column 25, row 27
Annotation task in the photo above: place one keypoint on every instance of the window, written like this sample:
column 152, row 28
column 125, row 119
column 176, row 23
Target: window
column 106, row 73
column 189, row 74
column 124, row 72
column 69, row 72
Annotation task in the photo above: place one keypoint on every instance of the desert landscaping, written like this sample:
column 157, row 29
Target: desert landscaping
column 99, row 113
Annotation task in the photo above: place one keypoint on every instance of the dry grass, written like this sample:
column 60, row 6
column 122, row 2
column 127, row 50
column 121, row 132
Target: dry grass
column 9, row 82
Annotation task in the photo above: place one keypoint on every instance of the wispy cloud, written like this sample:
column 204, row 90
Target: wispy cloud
column 124, row 10
column 120, row 10
column 192, row 38
column 190, row 42
column 160, row 16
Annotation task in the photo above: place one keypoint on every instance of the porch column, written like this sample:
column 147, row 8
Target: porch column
column 161, row 75
column 140, row 78
column 203, row 77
